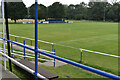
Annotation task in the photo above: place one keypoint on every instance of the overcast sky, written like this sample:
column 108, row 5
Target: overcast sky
column 49, row 2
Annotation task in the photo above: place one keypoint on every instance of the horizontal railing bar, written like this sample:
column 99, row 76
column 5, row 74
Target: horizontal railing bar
column 32, row 56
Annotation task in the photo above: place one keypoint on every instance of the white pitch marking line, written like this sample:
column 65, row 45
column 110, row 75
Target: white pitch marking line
column 82, row 39
column 90, row 51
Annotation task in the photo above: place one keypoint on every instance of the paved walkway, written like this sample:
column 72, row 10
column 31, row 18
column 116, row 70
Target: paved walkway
column 51, row 63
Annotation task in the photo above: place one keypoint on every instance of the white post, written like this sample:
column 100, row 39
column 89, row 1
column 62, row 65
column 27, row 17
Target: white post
column 3, row 33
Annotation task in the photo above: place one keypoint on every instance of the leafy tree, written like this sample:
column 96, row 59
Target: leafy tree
column 56, row 10
column 97, row 10
column 79, row 16
column 113, row 13
column 71, row 11
column 79, row 8
column 32, row 11
column 65, row 8
column 81, row 11
column 119, row 12
column 108, row 6
column 91, row 11
column 42, row 14
column 42, row 11
column 78, row 11
column 17, row 10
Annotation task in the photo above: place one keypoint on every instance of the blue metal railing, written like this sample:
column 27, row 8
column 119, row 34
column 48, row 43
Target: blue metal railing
column 36, row 38
column 24, row 48
column 112, row 76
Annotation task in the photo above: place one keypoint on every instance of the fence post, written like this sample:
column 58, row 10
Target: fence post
column 38, row 46
column 12, row 50
column 31, row 42
column 24, row 49
column 54, row 58
column 81, row 55
column 52, row 47
column 15, row 38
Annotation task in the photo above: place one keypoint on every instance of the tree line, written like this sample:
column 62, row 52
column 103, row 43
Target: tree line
column 98, row 11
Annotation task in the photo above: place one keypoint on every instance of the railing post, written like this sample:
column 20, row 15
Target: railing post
column 31, row 42
column 15, row 38
column 81, row 55
column 24, row 49
column 12, row 50
column 3, row 33
column 52, row 47
column 36, row 38
column 38, row 46
column 54, row 58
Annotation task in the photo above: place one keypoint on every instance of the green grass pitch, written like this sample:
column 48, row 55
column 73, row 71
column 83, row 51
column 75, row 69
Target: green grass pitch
column 95, row 36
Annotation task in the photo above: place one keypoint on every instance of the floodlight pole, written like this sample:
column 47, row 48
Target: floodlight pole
column 3, row 33
column 36, row 38
column 7, row 33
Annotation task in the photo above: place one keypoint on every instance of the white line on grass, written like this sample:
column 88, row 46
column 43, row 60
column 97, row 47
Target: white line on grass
column 93, row 37
column 89, row 51
column 70, row 47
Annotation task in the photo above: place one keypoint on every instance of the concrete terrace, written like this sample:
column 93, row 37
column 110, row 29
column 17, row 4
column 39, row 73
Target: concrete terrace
column 6, row 74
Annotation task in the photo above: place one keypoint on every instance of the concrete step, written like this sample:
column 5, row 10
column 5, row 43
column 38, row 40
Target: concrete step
column 6, row 74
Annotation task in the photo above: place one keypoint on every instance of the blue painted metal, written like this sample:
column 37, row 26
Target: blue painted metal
column 15, row 38
column 12, row 50
column 81, row 56
column 112, row 76
column 54, row 58
column 18, row 44
column 24, row 49
column 31, row 42
column 36, row 38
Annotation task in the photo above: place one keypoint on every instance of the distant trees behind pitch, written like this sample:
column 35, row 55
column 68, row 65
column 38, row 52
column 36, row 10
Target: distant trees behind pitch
column 98, row 11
